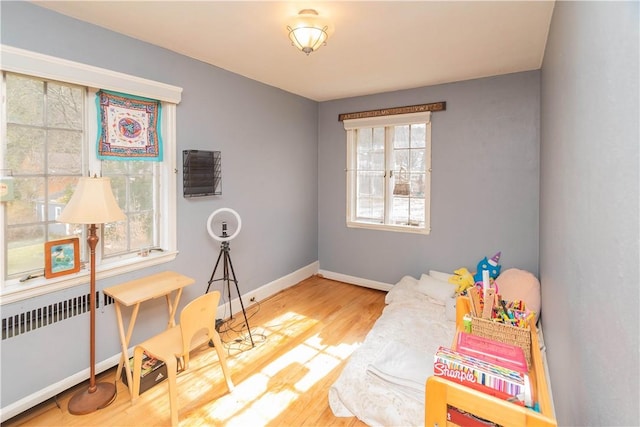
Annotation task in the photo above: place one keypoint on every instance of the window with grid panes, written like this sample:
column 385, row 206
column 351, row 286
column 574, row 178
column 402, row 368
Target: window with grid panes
column 388, row 172
column 49, row 134
column 44, row 151
column 46, row 154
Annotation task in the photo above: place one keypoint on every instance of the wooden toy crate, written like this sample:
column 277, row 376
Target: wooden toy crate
column 505, row 333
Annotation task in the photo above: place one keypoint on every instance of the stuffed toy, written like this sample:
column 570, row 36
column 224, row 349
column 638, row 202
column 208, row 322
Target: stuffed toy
column 490, row 265
column 521, row 285
column 463, row 279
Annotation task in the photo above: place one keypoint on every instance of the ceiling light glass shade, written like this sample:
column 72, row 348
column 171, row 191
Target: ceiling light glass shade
column 307, row 34
column 92, row 203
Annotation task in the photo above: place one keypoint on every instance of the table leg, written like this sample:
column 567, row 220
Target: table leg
column 173, row 307
column 124, row 341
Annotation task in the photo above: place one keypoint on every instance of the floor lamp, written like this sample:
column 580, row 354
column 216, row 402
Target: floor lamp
column 92, row 203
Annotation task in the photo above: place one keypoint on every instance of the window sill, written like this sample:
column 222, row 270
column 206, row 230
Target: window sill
column 386, row 227
column 14, row 291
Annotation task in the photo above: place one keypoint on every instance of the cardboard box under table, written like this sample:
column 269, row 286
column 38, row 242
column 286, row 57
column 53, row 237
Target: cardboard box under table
column 153, row 372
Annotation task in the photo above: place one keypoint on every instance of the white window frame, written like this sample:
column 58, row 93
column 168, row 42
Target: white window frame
column 48, row 67
column 388, row 122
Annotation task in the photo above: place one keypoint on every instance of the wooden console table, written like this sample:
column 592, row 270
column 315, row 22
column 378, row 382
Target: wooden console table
column 135, row 292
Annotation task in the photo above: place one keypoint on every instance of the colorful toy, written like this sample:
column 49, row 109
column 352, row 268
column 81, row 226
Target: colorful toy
column 491, row 265
column 463, row 278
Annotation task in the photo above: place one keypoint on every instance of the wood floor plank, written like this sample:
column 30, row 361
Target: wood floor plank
column 303, row 337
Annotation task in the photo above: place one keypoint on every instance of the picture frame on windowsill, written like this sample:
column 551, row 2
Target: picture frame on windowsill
column 61, row 257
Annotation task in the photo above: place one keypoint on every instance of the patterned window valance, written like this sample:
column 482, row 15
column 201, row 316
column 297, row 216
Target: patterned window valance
column 128, row 127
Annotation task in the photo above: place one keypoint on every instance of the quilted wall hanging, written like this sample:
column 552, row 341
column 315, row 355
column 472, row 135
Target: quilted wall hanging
column 129, row 127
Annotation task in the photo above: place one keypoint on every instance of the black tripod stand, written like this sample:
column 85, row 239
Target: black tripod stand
column 226, row 264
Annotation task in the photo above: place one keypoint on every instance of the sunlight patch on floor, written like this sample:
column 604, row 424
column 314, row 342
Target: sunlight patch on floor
column 342, row 351
column 266, row 394
column 263, row 410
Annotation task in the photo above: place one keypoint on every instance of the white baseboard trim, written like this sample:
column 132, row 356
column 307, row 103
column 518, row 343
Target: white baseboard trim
column 259, row 294
column 50, row 391
column 271, row 288
column 355, row 280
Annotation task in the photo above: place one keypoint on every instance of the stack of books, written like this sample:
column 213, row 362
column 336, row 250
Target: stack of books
column 481, row 371
column 502, row 354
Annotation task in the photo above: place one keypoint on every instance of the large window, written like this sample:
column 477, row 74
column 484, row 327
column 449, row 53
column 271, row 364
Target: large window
column 45, row 155
column 388, row 172
column 48, row 139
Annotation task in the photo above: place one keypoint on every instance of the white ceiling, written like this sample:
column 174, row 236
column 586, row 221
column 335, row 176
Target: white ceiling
column 373, row 47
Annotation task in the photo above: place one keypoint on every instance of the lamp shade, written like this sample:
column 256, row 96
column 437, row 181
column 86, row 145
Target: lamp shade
column 92, row 203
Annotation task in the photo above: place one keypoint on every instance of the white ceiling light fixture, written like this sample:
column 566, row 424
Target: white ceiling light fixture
column 308, row 33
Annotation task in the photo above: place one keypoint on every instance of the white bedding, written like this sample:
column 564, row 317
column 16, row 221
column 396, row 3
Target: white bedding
column 411, row 322
column 402, row 367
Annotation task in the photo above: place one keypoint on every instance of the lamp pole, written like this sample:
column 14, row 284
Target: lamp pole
column 99, row 395
column 92, row 203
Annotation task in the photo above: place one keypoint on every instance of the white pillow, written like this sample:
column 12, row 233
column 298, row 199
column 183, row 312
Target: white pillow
column 440, row 276
column 437, row 290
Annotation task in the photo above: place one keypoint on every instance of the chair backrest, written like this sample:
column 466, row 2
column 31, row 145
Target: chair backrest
column 198, row 315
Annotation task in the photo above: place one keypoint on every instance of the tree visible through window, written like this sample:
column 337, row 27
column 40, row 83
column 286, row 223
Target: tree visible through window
column 135, row 188
column 388, row 172
column 44, row 151
column 48, row 135
column 47, row 150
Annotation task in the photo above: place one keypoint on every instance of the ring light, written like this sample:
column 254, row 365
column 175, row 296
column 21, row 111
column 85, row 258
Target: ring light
column 225, row 217
column 222, row 212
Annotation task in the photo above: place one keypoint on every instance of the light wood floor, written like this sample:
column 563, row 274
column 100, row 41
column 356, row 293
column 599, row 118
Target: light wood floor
column 303, row 337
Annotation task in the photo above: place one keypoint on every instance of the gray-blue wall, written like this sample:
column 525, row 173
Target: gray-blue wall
column 268, row 140
column 581, row 112
column 484, row 185
column 589, row 215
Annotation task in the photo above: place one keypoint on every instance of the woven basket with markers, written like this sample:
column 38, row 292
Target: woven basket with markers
column 508, row 323
column 503, row 332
